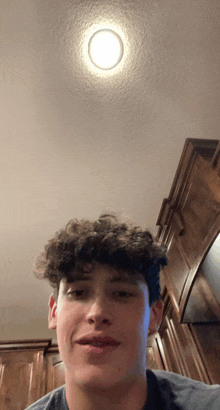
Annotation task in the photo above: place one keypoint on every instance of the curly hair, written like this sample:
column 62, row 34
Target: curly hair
column 106, row 241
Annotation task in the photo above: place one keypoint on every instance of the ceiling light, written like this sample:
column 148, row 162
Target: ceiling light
column 105, row 49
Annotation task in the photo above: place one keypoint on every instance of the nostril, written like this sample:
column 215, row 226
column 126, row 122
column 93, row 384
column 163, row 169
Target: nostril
column 96, row 319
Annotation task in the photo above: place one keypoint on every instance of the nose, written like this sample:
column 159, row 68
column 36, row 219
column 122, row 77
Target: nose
column 99, row 312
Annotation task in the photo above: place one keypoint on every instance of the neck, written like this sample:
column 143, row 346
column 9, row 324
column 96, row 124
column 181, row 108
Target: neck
column 131, row 395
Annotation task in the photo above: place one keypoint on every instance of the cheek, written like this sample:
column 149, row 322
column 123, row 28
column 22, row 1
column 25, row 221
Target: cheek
column 142, row 326
column 67, row 323
column 135, row 325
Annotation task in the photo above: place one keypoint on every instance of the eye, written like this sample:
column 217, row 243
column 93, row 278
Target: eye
column 122, row 294
column 77, row 294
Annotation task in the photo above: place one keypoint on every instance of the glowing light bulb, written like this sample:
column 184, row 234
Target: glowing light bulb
column 105, row 49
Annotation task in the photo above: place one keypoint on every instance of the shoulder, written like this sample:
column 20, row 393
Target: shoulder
column 53, row 400
column 187, row 393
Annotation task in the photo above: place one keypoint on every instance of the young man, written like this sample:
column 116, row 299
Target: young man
column 106, row 301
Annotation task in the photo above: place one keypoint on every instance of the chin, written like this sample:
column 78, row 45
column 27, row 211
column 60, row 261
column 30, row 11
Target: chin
column 95, row 377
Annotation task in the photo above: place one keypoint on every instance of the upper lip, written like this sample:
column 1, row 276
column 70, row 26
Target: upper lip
column 87, row 339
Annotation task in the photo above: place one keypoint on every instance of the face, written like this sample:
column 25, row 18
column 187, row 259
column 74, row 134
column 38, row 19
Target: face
column 106, row 304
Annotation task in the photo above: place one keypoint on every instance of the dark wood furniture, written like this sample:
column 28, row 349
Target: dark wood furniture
column 22, row 373
column 189, row 222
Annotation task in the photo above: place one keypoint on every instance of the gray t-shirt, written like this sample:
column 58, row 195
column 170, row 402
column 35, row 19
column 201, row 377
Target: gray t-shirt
column 166, row 391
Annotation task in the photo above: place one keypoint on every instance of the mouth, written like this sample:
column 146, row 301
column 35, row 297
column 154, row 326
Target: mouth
column 98, row 344
column 101, row 349
column 98, row 340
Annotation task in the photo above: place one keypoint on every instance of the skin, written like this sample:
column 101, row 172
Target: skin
column 116, row 380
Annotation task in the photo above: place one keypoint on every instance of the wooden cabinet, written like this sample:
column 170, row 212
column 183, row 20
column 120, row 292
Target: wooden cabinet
column 189, row 219
column 207, row 339
column 178, row 348
column 154, row 358
column 54, row 369
column 189, row 222
column 22, row 373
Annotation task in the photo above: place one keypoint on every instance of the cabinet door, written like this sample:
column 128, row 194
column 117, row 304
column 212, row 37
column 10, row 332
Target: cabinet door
column 21, row 381
column 178, row 349
column 55, row 371
column 207, row 337
column 153, row 359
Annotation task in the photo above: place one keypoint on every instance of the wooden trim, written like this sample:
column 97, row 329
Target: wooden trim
column 214, row 231
column 202, row 358
column 216, row 159
column 37, row 344
column 208, row 149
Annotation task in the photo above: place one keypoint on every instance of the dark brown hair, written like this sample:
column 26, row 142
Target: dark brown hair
column 106, row 241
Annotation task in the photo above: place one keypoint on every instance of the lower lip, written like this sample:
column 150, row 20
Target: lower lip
column 99, row 349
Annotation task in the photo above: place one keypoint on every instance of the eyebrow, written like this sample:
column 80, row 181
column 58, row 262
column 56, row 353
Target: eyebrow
column 123, row 279
column 115, row 279
column 78, row 276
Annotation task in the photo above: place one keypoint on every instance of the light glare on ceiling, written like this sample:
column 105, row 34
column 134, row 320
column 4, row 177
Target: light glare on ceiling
column 105, row 49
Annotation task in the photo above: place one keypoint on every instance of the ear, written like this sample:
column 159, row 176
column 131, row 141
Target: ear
column 155, row 317
column 52, row 318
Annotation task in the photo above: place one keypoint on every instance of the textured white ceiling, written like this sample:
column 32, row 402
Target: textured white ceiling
column 76, row 140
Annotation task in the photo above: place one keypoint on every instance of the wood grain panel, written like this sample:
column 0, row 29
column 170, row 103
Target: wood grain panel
column 207, row 338
column 216, row 160
column 177, row 270
column 153, row 357
column 22, row 373
column 178, row 348
column 202, row 305
column 16, row 381
column 55, row 374
column 200, row 210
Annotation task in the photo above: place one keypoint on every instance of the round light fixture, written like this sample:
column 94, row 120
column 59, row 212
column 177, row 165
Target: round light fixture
column 105, row 49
